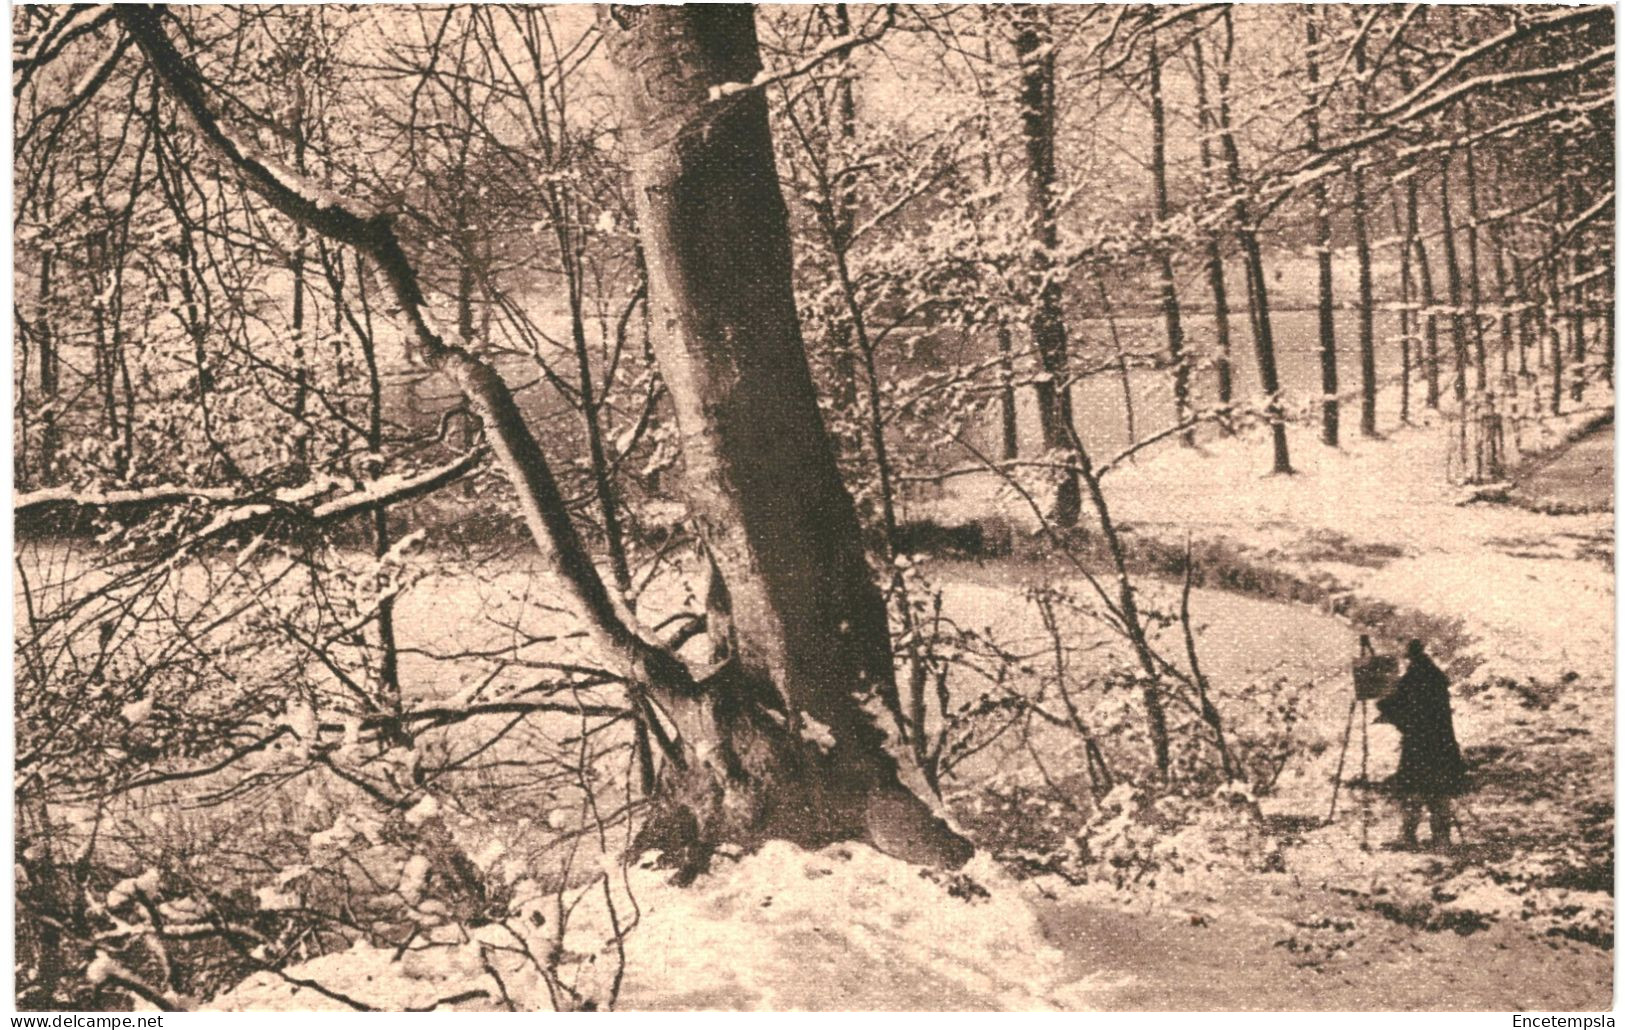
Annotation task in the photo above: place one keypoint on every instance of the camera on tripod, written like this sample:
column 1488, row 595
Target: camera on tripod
column 1374, row 674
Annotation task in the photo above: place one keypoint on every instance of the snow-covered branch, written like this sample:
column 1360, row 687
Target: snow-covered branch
column 379, row 492
column 517, row 450
column 76, row 21
column 831, row 49
column 1483, row 50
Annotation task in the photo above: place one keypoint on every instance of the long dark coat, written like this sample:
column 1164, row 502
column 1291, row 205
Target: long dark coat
column 1430, row 762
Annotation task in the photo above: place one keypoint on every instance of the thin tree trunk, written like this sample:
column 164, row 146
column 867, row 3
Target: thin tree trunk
column 1452, row 269
column 1257, row 284
column 1362, row 250
column 465, row 305
column 1221, row 329
column 1428, row 298
column 1329, row 413
column 603, row 486
column 1215, row 255
column 1122, row 364
column 301, row 373
column 1608, row 327
column 854, row 327
column 1128, row 612
column 1007, row 394
column 1475, row 290
column 1165, row 261
column 1578, row 266
column 1554, row 299
column 1407, row 317
column 1506, row 301
column 49, row 361
column 1036, row 56
column 388, row 654
column 387, row 700
column 1526, row 304
column 845, row 205
column 1010, row 448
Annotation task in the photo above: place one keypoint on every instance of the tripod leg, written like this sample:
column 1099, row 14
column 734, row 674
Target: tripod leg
column 1342, row 756
column 1365, row 744
column 1365, row 777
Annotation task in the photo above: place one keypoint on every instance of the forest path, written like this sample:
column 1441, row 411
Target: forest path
column 1519, row 915
column 1580, row 477
column 1287, row 947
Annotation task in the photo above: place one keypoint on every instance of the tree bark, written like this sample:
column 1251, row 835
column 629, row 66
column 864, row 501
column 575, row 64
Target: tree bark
column 1036, row 56
column 1475, row 290
column 1407, row 317
column 1428, row 297
column 810, row 629
column 1165, row 260
column 1329, row 408
column 1215, row 255
column 1362, row 251
column 1452, row 270
column 1257, row 285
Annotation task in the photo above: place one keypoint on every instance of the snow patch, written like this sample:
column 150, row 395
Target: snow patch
column 136, row 712
column 423, row 811
column 880, row 933
column 815, row 732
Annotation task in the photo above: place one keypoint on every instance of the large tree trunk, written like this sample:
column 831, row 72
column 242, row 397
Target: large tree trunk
column 1165, row 260
column 1035, row 51
column 811, row 643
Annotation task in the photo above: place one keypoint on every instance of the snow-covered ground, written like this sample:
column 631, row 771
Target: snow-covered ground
column 1519, row 915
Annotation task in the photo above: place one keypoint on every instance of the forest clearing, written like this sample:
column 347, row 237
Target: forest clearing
column 832, row 507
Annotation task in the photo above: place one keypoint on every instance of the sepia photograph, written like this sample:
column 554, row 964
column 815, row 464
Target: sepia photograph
column 836, row 507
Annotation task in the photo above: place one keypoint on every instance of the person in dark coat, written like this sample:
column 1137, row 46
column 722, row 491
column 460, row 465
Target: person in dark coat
column 1431, row 770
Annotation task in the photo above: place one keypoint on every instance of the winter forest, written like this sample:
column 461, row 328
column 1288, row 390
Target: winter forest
column 827, row 506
